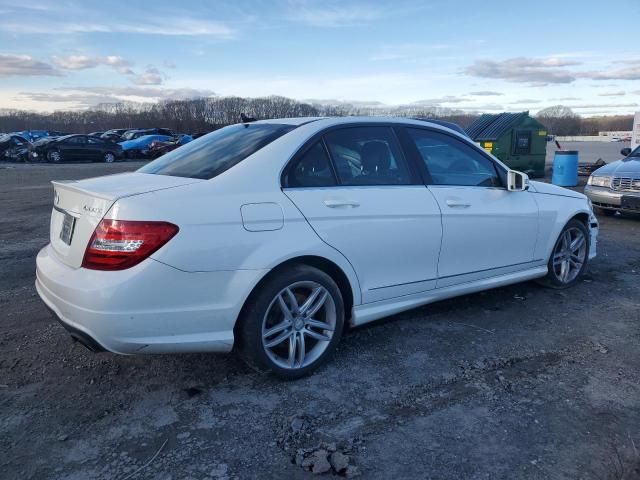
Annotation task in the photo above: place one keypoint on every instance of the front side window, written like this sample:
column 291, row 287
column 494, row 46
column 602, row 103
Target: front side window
column 367, row 156
column 76, row 141
column 452, row 162
column 212, row 154
column 312, row 169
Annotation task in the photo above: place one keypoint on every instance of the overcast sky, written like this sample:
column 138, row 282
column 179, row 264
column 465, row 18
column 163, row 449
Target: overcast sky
column 462, row 54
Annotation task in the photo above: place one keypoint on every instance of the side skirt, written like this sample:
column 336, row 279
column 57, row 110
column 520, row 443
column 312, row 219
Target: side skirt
column 369, row 312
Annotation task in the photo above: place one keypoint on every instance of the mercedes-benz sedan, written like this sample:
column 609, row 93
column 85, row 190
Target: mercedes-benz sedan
column 272, row 237
column 615, row 187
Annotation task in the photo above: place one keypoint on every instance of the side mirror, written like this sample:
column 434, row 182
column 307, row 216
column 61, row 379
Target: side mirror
column 625, row 151
column 517, row 181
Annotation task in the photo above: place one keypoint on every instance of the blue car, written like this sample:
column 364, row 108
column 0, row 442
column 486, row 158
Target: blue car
column 32, row 135
column 139, row 147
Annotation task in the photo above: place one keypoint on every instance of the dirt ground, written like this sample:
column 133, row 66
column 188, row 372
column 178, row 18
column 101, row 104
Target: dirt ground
column 516, row 382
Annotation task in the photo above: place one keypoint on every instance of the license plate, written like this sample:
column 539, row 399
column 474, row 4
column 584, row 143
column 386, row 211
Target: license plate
column 631, row 202
column 68, row 224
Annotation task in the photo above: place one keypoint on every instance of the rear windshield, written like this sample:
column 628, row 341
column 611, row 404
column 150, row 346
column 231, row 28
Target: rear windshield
column 212, row 154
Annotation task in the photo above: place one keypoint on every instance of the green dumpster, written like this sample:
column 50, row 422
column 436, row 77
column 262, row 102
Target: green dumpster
column 517, row 139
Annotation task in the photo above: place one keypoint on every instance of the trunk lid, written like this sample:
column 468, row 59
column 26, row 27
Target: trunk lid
column 78, row 207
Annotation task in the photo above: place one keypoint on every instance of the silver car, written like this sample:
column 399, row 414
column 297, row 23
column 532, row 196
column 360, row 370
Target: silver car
column 616, row 186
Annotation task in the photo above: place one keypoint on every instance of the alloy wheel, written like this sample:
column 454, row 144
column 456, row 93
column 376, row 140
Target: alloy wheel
column 569, row 255
column 298, row 325
column 109, row 157
column 55, row 156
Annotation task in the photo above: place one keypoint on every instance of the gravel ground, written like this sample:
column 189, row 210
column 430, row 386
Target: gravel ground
column 516, row 382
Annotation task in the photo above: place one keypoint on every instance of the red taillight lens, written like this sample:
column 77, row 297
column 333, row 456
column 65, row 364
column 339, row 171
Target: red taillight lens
column 120, row 244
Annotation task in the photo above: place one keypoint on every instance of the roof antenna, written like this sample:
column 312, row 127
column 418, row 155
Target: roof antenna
column 246, row 119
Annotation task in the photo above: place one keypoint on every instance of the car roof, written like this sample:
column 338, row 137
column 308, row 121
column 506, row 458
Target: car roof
column 324, row 122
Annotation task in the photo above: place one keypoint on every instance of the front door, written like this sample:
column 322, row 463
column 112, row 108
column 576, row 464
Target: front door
column 487, row 230
column 359, row 194
column 74, row 148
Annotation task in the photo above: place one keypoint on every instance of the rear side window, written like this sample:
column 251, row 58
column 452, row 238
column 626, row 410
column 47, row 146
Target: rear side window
column 367, row 156
column 212, row 154
column 312, row 169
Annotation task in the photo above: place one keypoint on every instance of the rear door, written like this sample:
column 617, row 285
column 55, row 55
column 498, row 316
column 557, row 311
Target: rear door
column 487, row 230
column 360, row 195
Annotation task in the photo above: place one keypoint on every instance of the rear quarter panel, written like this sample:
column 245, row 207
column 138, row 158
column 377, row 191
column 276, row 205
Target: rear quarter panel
column 212, row 235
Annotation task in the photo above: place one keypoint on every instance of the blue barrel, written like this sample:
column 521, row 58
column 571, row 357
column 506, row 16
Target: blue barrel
column 565, row 168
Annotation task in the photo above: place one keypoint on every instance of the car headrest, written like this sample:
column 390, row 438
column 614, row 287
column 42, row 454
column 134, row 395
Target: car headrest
column 375, row 157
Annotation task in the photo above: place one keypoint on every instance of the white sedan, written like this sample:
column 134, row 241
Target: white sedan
column 272, row 237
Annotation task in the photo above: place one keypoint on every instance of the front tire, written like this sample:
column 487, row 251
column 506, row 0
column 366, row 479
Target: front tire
column 292, row 323
column 569, row 257
column 109, row 157
column 54, row 156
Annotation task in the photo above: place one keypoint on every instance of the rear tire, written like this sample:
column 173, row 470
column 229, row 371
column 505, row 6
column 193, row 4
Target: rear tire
column 569, row 258
column 291, row 323
column 109, row 157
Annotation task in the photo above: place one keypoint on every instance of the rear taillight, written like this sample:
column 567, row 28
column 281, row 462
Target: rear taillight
column 120, row 244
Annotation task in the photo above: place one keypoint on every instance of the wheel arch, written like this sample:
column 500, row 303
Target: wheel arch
column 321, row 263
column 581, row 217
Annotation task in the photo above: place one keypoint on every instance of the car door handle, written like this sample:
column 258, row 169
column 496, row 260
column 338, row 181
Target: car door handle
column 338, row 203
column 458, row 204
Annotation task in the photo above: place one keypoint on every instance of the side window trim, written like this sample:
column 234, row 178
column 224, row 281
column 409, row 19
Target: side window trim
column 500, row 172
column 413, row 178
column 293, row 162
column 414, row 171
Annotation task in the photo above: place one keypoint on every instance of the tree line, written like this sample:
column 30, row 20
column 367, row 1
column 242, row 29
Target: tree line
column 206, row 114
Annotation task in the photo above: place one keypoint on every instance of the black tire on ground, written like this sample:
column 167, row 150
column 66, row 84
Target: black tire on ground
column 109, row 157
column 552, row 279
column 248, row 331
column 606, row 212
column 54, row 156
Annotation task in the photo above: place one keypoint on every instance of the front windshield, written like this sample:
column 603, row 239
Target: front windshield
column 635, row 153
column 218, row 151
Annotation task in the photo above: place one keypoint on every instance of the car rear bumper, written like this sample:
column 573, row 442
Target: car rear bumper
column 150, row 308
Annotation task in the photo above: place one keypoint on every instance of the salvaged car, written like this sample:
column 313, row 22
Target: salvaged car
column 159, row 148
column 74, row 148
column 115, row 134
column 272, row 237
column 139, row 146
column 14, row 148
column 615, row 187
column 133, row 134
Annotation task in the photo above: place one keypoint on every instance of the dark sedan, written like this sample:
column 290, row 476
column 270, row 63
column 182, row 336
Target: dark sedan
column 74, row 148
column 14, row 148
